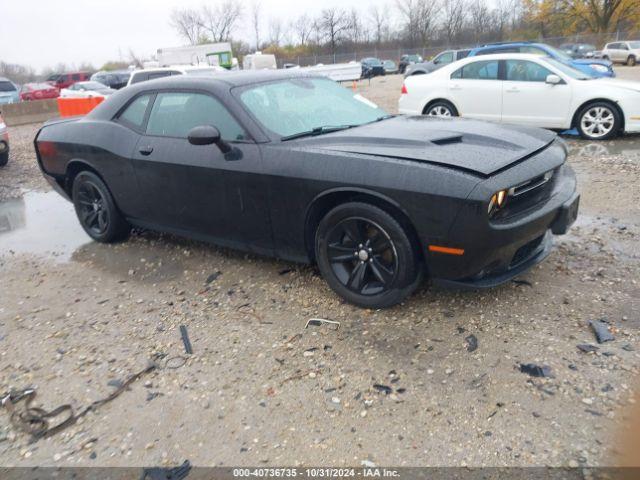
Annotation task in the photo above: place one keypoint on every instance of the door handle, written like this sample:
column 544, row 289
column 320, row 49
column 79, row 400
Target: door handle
column 146, row 150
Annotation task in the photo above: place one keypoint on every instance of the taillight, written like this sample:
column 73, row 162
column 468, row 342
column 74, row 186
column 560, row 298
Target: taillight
column 404, row 90
column 47, row 150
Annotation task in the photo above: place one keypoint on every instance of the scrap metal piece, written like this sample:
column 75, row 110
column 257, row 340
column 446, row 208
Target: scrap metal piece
column 587, row 348
column 176, row 473
column 472, row 343
column 602, row 331
column 535, row 370
column 185, row 340
column 316, row 322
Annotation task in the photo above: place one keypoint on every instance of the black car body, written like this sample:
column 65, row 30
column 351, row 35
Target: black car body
column 113, row 79
column 372, row 67
column 433, row 179
column 440, row 60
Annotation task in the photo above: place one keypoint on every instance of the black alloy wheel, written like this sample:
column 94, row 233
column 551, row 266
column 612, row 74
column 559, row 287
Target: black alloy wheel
column 366, row 256
column 96, row 210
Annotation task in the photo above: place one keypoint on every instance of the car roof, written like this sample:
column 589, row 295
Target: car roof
column 500, row 56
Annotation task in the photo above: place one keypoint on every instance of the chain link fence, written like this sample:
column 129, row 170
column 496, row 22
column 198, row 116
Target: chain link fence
column 596, row 39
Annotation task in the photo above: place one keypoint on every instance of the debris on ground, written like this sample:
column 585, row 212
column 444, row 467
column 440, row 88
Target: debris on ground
column 316, row 322
column 176, row 473
column 382, row 388
column 522, row 282
column 601, row 331
column 536, row 370
column 472, row 343
column 185, row 339
column 36, row 421
column 587, row 348
column 214, row 276
column 284, row 271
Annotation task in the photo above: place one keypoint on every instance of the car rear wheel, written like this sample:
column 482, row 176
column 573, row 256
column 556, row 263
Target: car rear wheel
column 4, row 159
column 598, row 121
column 631, row 61
column 96, row 210
column 441, row 108
column 366, row 256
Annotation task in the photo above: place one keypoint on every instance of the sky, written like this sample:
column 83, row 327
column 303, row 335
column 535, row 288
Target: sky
column 43, row 33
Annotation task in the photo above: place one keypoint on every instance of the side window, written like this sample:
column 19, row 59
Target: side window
column 623, row 46
column 525, row 71
column 159, row 75
column 485, row 70
column 75, row 77
column 463, row 54
column 133, row 115
column 446, row 57
column 535, row 50
column 174, row 114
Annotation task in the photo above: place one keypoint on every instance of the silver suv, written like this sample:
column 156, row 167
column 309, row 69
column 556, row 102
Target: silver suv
column 622, row 52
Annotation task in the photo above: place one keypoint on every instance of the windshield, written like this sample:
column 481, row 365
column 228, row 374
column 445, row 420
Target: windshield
column 634, row 44
column 560, row 53
column 7, row 86
column 93, row 85
column 288, row 107
column 568, row 70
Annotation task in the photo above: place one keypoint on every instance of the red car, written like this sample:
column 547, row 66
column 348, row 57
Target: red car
column 38, row 91
column 64, row 80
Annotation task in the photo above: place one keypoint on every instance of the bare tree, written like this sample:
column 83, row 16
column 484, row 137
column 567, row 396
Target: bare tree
column 276, row 31
column 418, row 17
column 218, row 22
column 480, row 19
column 187, row 23
column 454, row 18
column 302, row 28
column 355, row 29
column 256, row 6
column 379, row 21
column 334, row 24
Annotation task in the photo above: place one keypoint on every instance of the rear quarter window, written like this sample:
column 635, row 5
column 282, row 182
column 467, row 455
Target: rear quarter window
column 134, row 114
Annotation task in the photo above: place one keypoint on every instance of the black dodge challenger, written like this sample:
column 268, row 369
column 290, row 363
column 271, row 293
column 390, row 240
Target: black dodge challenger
column 300, row 168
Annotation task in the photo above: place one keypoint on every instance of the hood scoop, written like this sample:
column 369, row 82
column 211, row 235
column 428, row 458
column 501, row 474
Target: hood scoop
column 447, row 140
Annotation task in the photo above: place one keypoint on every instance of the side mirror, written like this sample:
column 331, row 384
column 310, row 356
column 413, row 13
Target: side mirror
column 553, row 79
column 208, row 135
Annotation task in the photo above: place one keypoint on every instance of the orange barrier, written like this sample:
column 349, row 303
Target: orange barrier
column 69, row 107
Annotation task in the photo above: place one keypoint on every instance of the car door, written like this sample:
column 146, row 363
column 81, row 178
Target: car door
column 198, row 189
column 476, row 90
column 528, row 100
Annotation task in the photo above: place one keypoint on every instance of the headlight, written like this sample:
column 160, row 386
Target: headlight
column 497, row 201
column 599, row 68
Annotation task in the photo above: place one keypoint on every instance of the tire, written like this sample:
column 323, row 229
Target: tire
column 366, row 256
column 631, row 61
column 440, row 108
column 606, row 122
column 97, row 212
column 605, row 57
column 4, row 159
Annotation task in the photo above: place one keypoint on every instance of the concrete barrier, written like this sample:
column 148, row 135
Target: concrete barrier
column 36, row 111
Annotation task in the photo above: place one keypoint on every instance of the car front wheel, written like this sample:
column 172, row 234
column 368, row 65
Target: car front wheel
column 366, row 256
column 598, row 121
column 631, row 61
column 96, row 209
column 441, row 108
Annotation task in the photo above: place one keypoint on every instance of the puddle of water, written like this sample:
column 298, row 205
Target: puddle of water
column 628, row 146
column 42, row 224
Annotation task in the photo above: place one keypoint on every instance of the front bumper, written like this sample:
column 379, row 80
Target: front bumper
column 496, row 252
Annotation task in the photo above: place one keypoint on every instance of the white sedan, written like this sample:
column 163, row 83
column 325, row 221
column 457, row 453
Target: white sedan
column 526, row 90
column 86, row 90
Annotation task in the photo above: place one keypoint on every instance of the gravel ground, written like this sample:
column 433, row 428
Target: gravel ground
column 394, row 387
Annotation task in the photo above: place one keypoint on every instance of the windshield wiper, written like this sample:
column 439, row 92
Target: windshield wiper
column 317, row 131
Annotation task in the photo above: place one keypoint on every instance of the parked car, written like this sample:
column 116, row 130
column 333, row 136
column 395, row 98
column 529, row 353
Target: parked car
column 408, row 59
column 526, row 90
column 143, row 75
column 622, row 52
column 372, row 67
column 592, row 67
column 38, row 91
column 64, row 80
column 116, row 79
column 390, row 67
column 579, row 50
column 298, row 167
column 8, row 91
column 86, row 90
column 4, row 143
column 440, row 60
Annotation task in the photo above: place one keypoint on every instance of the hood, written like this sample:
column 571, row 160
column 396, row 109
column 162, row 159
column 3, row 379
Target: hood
column 477, row 147
column 617, row 83
column 592, row 61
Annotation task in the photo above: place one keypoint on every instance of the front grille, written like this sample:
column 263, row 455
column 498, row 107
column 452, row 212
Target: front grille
column 525, row 251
